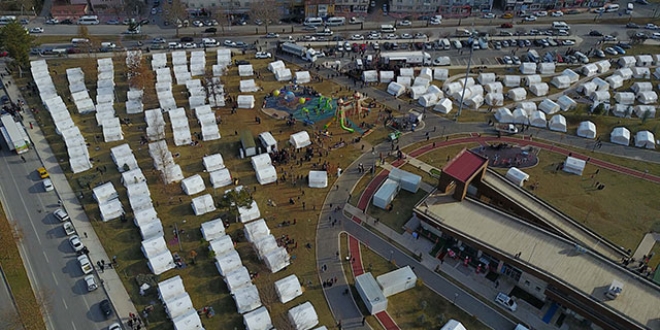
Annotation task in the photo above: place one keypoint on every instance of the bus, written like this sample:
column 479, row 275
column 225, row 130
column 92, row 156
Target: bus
column 88, row 20
column 15, row 134
column 313, row 21
column 336, row 21
column 387, row 28
column 79, row 41
column 4, row 20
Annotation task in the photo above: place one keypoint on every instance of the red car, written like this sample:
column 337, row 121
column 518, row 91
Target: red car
column 506, row 25
column 4, row 53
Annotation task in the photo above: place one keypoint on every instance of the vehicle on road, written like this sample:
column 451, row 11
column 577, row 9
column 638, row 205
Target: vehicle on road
column 651, row 26
column 557, row 13
column 505, row 300
column 85, row 264
column 189, row 45
column 624, row 45
column 442, row 61
column 488, row 16
column 52, row 21
column 90, row 281
column 595, row 33
column 43, row 173
column 599, row 53
column 36, row 30
column 271, row 35
column 198, row 23
column 262, row 55
column 174, row 45
column 187, row 39
column 530, row 19
column 394, row 135
column 516, row 60
column 114, row 326
column 611, row 51
column 106, row 308
column 158, row 41
column 355, row 20
column 210, row 30
column 357, row 37
column 609, row 38
column 619, row 50
column 68, row 228
column 47, row 184
column 541, row 13
column 405, row 22
column 75, row 243
column 406, row 36
column 506, row 25
column 420, row 36
column 391, row 36
column 632, row 25
column 113, row 22
column 568, row 42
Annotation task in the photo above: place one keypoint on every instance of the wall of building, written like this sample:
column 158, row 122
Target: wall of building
column 532, row 285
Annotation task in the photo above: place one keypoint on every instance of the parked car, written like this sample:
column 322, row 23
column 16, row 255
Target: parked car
column 507, row 60
column 530, row 19
column 595, row 33
column 85, row 264
column 357, row 37
column 90, row 281
column 506, row 301
column 53, row 21
column 48, row 185
column 106, row 308
column 624, row 45
column 489, row 16
column 187, row 39
column 516, row 60
column 619, row 50
column 75, row 243
column 210, row 30
column 599, row 53
column 68, row 228
column 420, row 36
column 611, row 51
column 651, row 26
column 632, row 25
column 406, row 36
column 405, row 22
column 541, row 13
column 557, row 13
column 271, row 35
column 609, row 38
column 61, row 215
column 262, row 55
column 189, row 45
column 158, row 41
column 506, row 25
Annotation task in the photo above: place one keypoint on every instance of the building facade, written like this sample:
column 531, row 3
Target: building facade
column 319, row 8
column 467, row 8
column 350, row 8
column 285, row 8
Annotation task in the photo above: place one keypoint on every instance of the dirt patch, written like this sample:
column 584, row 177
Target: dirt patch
column 276, row 114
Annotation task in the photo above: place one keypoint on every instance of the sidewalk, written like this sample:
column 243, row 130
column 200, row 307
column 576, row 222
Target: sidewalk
column 109, row 278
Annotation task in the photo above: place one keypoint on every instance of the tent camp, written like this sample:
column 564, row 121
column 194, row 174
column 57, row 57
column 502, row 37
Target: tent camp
column 404, row 81
column 494, row 99
column 656, row 59
column 188, row 321
column 504, row 115
column 440, row 74
column 247, row 298
column 283, row 75
column 561, row 82
column 603, row 66
column 237, row 278
column 615, row 81
column 510, row 81
column 245, row 101
column 370, row 76
column 386, row 194
column 220, row 178
column 587, row 129
column 407, row 181
column 494, row 87
column 572, row 75
column 397, row 281
column 221, row 245
column 161, row 263
column 288, row 288
column 574, row 165
column 249, row 213
column 443, row 106
column 245, row 70
column 539, row 89
column 641, row 86
column 258, row 319
column 266, row 175
column 256, row 230
column 213, row 162
column 455, row 325
column 517, row 94
column 371, row 293
column 601, row 85
column 627, row 61
column 213, row 229
column 537, row 119
column 528, row 68
column 647, row 97
column 557, row 123
column 151, row 230
column 417, row 91
column 589, row 70
column 520, row 116
column 517, row 176
column 625, row 73
column 624, row 98
column 644, row 111
column 549, row 107
column 170, row 288
column 277, row 260
column 641, row 73
column 203, row 204
column 300, row 140
column 386, row 76
column 469, row 82
column 546, row 68
column 531, row 80
column 486, row 78
column 600, row 96
column 179, row 305
column 303, row 317
column 620, row 135
column 452, row 88
column 303, row 77
column 566, row 103
column 395, row 89
column 248, row 86
column 645, row 139
column 193, row 185
column 145, row 216
column 153, row 246
column 644, row 60
column 227, row 262
column 318, row 179
column 274, row 66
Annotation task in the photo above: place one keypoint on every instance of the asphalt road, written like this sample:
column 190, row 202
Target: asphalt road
column 49, row 259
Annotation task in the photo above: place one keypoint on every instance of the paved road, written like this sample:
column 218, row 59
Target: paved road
column 7, row 306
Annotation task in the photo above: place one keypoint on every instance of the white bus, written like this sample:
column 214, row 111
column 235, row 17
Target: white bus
column 88, row 20
column 79, row 41
column 4, row 20
column 336, row 21
column 387, row 28
column 313, row 21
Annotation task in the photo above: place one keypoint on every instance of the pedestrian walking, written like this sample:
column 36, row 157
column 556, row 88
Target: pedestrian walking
column 85, row 233
column 23, row 159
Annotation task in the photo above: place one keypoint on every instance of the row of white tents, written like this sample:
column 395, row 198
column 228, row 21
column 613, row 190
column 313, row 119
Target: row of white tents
column 178, row 304
column 282, row 73
column 643, row 139
column 385, row 77
column 164, row 162
column 134, row 94
column 108, row 199
column 79, row 93
column 76, row 145
column 397, row 179
column 105, row 96
column 218, row 173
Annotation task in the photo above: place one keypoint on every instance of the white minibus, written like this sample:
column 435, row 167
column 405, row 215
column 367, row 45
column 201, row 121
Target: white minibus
column 387, row 28
column 313, row 21
column 88, row 20
column 336, row 21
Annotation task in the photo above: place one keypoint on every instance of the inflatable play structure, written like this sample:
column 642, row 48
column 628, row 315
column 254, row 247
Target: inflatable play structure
column 303, row 104
column 347, row 107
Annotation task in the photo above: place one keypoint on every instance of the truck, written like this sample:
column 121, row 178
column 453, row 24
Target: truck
column 293, row 49
column 15, row 134
column 409, row 58
column 506, row 128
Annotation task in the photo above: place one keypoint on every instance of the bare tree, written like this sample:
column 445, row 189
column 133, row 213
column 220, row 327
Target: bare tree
column 267, row 11
column 134, row 8
column 175, row 12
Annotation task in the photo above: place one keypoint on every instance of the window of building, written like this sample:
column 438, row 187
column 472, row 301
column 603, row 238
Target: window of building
column 538, row 289
column 526, row 283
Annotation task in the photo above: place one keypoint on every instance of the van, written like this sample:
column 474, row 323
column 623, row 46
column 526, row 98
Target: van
column 358, row 64
column 457, row 44
column 110, row 45
column 612, row 8
column 629, row 8
column 370, row 59
column 88, row 20
column 387, row 28
column 209, row 42
column 445, row 44
column 313, row 21
column 560, row 26
column 463, row 32
column 336, row 21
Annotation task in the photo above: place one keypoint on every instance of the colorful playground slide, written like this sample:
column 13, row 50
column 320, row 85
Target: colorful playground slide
column 342, row 122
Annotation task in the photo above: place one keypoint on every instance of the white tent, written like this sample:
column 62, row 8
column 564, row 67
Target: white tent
column 274, row 66
column 486, row 78
column 641, row 73
column 624, row 98
column 532, row 80
column 426, row 73
column 589, row 70
column 248, row 86
column 245, row 101
column 407, row 181
column 193, row 185
column 452, row 88
column 520, row 116
column 407, row 72
column 504, row 115
column 494, row 87
column 395, row 89
column 549, row 107
column 528, row 107
column 256, row 230
column 647, row 97
column 203, row 204
column 428, row 100
column 627, row 61
column 656, row 59
column 443, row 106
column 371, row 293
column 188, row 321
column 517, row 94
column 574, row 165
column 397, row 281
column 258, row 319
column 645, row 139
column 213, row 229
column 249, row 213
column 621, row 110
column 603, row 66
column 528, row 68
column 469, row 82
column 288, row 288
column 440, row 74
column 557, row 123
column 386, row 76
column 601, row 85
column 247, row 298
column 386, row 193
column 300, row 140
column 546, row 68
column 537, row 119
column 151, row 229
column 277, row 260
column 179, row 306
column 644, row 60
column 268, row 142
column 656, row 73
column 303, row 317
column 237, row 278
column 266, row 175
column 144, row 216
column 494, row 99
column 572, row 75
column 600, row 96
column 303, row 77
column 615, row 81
column 221, row 245
column 625, row 73
column 517, row 176
column 261, row 161
column 265, row 246
column 511, row 81
column 220, row 178
column 587, row 129
column 404, row 81
column 153, row 246
column 170, row 288
column 283, row 75
column 641, row 86
column 417, row 91
column 213, row 162
column 642, row 111
column 620, row 135
column 474, row 102
column 539, row 89
column 227, row 262
column 566, row 103
column 561, row 82
column 245, row 70
column 318, row 179
column 370, row 76
column 161, row 263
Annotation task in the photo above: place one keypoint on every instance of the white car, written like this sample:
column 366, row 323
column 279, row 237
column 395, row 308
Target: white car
column 373, row 36
column 75, row 242
column 651, row 26
column 270, row 35
column 37, row 30
column 656, row 35
column 198, row 23
column 48, row 185
column 541, row 13
column 229, row 43
column 91, row 283
column 357, row 37
column 68, row 228
column 507, row 60
column 309, row 38
column 189, row 45
column 405, row 22
column 85, row 265
column 609, row 38
column 154, row 11
column 568, row 42
column 611, row 51
column 391, row 36
column 557, row 13
column 114, row 326
column 420, row 36
column 174, row 45
column 61, row 215
column 489, row 16
column 158, row 41
column 530, row 19
column 406, row 36
column 506, row 301
column 262, row 55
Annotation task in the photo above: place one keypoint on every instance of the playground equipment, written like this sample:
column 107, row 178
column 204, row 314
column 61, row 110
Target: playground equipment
column 352, row 107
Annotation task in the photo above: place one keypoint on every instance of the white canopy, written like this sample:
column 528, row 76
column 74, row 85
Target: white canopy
column 275, row 66
column 642, row 111
column 528, row 107
column 407, row 72
column 603, row 66
column 641, row 73
column 404, row 81
column 151, row 230
column 549, row 107
column 417, row 91
column 621, row 110
column 504, row 116
column 213, row 229
column 249, row 213
column 627, row 61
column 426, row 73
column 528, row 68
column 245, row 70
column 625, row 73
column 237, row 278
column 494, row 87
column 300, row 139
column 395, row 89
column 161, row 263
column 213, row 162
column 511, row 81
column 645, row 139
column 258, row 319
column 245, row 101
column 203, row 204
column 574, row 165
column 277, row 260
column 539, row 89
column 303, row 317
column 283, row 75
column 188, row 321
column 227, row 262
column 443, row 106
column 220, row 178
column 370, row 76
column 486, row 78
column 474, row 102
column 587, row 129
column 261, row 161
column 557, row 123
column 494, row 99
column 303, row 77
column 566, row 103
column 265, row 245
column 247, row 298
column 256, row 230
column 153, row 246
column 221, row 245
column 601, row 85
column 266, row 175
column 624, row 98
column 318, row 179
column 537, row 119
column 170, row 288
column 561, row 82
column 386, row 76
column 615, row 81
column 193, row 185
column 248, row 86
column 144, row 216
column 620, row 135
column 386, row 193
column 288, row 288
column 428, row 100
column 600, row 96
column 517, row 176
column 451, row 88
column 517, row 94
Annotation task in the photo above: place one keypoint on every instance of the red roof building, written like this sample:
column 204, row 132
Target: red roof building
column 461, row 171
column 72, row 12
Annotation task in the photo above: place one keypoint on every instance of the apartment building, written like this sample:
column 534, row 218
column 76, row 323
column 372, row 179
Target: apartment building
column 284, row 7
column 348, row 8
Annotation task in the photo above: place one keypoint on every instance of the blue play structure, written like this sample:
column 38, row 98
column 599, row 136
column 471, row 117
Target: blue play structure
column 304, row 107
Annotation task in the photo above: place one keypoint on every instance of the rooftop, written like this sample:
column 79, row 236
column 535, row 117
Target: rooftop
column 464, row 165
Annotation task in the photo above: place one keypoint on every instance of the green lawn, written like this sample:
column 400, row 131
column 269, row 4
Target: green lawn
column 403, row 205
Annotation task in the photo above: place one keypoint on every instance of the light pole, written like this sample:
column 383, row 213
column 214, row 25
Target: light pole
column 391, row 255
column 455, row 297
column 467, row 75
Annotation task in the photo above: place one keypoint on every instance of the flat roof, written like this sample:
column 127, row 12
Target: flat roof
column 584, row 272
column 464, row 165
